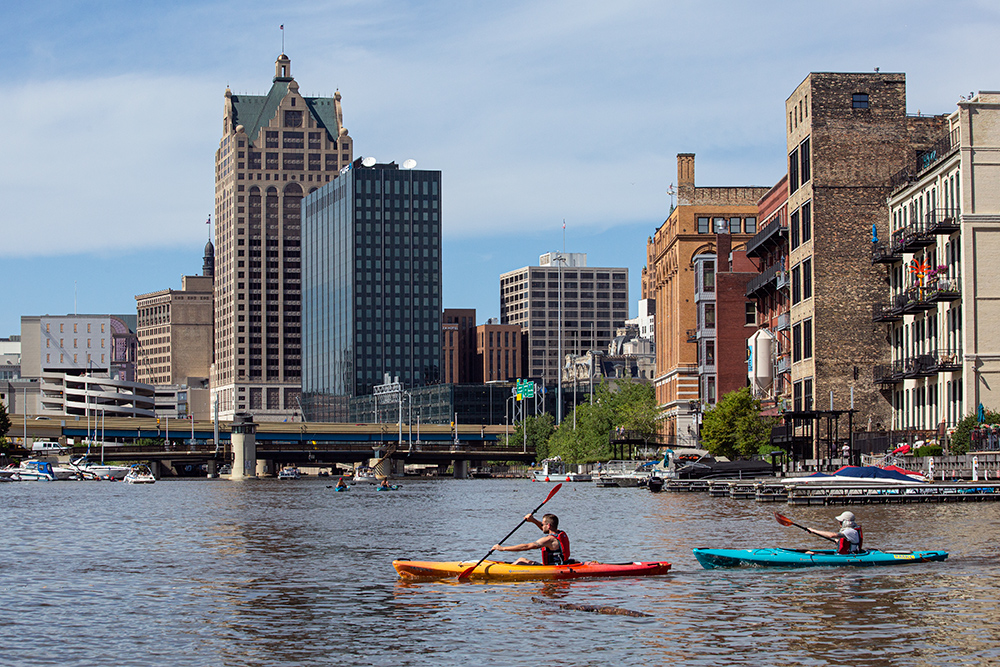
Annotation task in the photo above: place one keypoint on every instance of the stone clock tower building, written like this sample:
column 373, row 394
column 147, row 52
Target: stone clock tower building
column 275, row 149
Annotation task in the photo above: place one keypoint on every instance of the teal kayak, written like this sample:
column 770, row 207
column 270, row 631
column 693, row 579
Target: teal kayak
column 713, row 558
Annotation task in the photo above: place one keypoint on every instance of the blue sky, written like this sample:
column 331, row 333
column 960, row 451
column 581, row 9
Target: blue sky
column 535, row 112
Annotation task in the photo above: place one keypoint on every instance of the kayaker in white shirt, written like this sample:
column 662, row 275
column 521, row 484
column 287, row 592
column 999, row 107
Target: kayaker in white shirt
column 849, row 537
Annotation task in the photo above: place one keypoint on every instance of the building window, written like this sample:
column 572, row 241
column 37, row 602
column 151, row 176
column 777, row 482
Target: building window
column 796, row 284
column 708, row 276
column 734, row 225
column 793, row 171
column 796, row 343
column 859, row 100
column 751, row 313
column 807, row 339
column 805, row 170
column 806, row 218
column 709, row 315
column 750, row 225
column 807, row 279
column 794, row 237
column 293, row 118
column 703, row 227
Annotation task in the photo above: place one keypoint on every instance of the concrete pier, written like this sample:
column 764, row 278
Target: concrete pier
column 244, row 441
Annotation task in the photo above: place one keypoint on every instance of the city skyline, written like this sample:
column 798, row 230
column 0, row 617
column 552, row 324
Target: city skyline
column 580, row 108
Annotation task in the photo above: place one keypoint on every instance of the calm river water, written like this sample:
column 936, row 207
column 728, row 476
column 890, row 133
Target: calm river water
column 213, row 572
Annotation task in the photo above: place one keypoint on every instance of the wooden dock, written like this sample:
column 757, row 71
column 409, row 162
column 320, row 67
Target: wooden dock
column 841, row 494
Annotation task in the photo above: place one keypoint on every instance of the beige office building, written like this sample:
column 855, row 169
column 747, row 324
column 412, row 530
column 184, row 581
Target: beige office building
column 585, row 304
column 275, row 149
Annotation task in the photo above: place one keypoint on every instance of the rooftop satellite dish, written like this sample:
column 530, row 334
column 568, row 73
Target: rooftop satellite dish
column 409, row 164
column 369, row 161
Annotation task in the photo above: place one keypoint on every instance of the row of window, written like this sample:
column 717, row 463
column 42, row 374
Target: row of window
column 732, row 225
column 799, row 169
column 802, row 281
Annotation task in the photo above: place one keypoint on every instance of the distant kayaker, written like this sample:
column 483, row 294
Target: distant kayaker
column 849, row 537
column 554, row 544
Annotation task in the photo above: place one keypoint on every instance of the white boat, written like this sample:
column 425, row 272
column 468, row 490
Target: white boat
column 365, row 475
column 140, row 474
column 554, row 470
column 31, row 471
column 624, row 473
column 289, row 472
column 90, row 470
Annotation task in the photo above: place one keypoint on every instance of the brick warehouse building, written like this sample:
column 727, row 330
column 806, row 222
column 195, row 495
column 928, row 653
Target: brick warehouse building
column 679, row 273
column 846, row 135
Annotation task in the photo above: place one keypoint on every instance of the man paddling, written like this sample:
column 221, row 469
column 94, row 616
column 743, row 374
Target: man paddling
column 554, row 544
column 849, row 537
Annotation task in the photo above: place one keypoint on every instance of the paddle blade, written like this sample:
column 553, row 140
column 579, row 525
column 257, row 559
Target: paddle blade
column 783, row 520
column 464, row 574
column 553, row 492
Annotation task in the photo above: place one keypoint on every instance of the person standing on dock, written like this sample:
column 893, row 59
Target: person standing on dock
column 849, row 537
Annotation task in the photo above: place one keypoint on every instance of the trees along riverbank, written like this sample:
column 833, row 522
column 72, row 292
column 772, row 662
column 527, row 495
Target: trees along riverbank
column 584, row 435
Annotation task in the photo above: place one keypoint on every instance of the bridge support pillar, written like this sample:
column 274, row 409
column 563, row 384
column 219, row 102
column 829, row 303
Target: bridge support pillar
column 244, row 441
column 265, row 468
column 461, row 468
column 154, row 467
column 213, row 469
column 398, row 467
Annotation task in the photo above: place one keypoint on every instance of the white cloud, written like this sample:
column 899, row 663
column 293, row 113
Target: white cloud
column 106, row 164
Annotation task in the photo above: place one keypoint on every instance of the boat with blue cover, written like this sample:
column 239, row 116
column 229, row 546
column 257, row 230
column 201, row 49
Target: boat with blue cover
column 715, row 558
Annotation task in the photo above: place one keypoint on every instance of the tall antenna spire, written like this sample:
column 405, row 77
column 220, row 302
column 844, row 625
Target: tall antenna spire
column 282, row 29
column 564, row 235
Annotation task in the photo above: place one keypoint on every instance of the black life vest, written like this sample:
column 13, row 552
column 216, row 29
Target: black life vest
column 559, row 557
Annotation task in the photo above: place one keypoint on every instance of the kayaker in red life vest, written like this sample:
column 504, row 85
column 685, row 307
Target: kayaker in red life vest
column 554, row 544
column 849, row 537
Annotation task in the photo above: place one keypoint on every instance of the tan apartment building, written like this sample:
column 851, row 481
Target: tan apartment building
column 680, row 268
column 275, row 149
column 941, row 316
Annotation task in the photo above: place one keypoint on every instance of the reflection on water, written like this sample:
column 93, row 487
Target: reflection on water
column 265, row 573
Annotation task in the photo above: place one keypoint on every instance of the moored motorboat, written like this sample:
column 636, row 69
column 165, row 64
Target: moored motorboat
column 289, row 472
column 491, row 570
column 140, row 474
column 715, row 558
column 31, row 471
column 89, row 470
column 554, row 470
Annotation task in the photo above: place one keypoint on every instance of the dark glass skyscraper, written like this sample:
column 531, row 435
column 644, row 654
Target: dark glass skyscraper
column 371, row 285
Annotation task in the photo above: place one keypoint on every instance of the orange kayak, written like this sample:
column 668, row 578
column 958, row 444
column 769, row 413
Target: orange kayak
column 500, row 571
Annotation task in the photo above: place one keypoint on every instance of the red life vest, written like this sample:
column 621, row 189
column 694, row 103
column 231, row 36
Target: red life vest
column 559, row 557
column 844, row 544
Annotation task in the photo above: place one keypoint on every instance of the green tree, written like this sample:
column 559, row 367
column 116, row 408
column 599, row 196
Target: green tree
column 961, row 439
column 734, row 427
column 4, row 424
column 539, row 431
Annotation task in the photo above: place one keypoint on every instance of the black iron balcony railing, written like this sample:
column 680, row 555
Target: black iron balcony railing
column 940, row 150
column 882, row 253
column 914, row 300
column 888, row 373
column 768, row 236
column 883, row 312
column 911, row 238
column 941, row 288
column 764, row 280
column 944, row 221
column 946, row 360
column 921, row 365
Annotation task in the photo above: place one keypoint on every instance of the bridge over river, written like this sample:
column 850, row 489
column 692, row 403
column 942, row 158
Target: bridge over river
column 185, row 443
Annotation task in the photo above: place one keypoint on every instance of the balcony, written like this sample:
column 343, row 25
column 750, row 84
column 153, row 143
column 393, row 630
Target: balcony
column 782, row 280
column 944, row 221
column 914, row 300
column 692, row 335
column 946, row 360
column 886, row 374
column 911, row 238
column 882, row 254
column 764, row 281
column 922, row 365
column 782, row 322
column 940, row 289
column 940, row 150
column 882, row 312
column 770, row 236
column 783, row 364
